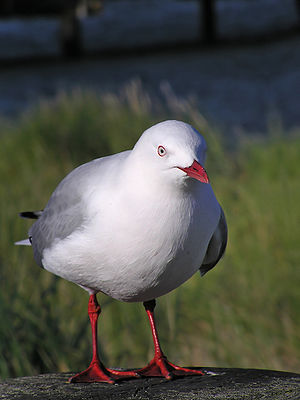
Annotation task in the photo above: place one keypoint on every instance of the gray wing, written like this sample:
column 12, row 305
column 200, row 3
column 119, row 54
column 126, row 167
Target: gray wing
column 54, row 224
column 216, row 246
column 62, row 215
column 66, row 210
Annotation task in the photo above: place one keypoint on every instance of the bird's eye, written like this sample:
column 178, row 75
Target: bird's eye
column 161, row 151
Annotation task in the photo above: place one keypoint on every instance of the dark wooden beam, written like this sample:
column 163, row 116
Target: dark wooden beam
column 208, row 24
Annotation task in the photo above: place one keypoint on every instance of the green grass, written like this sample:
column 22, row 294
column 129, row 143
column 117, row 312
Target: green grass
column 244, row 313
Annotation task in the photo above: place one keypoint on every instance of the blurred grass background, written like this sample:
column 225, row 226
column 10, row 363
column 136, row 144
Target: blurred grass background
column 244, row 313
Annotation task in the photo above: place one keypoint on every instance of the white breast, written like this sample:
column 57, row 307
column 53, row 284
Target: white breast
column 135, row 250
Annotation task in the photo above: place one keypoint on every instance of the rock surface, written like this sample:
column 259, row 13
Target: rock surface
column 229, row 384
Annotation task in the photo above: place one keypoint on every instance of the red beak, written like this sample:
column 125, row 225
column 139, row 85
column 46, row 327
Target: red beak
column 196, row 171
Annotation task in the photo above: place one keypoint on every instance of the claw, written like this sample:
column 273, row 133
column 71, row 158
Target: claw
column 161, row 367
column 96, row 372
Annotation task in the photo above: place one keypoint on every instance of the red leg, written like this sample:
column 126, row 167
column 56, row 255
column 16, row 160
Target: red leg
column 159, row 365
column 96, row 372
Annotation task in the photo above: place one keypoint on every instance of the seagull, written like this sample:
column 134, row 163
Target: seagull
column 134, row 226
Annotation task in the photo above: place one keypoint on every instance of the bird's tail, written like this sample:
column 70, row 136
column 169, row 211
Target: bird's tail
column 25, row 242
column 31, row 214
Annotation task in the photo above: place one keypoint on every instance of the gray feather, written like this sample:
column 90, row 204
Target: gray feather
column 66, row 211
column 216, row 246
column 63, row 214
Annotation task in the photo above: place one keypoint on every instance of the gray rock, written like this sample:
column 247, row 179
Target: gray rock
column 229, row 384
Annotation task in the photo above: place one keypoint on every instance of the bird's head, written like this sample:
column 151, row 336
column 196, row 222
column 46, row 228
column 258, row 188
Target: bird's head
column 173, row 151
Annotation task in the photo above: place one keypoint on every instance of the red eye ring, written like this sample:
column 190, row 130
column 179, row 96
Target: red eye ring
column 161, row 151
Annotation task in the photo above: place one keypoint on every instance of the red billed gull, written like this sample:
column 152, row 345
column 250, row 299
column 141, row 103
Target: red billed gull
column 134, row 225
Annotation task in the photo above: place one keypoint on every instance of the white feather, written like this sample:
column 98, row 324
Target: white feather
column 143, row 225
column 24, row 242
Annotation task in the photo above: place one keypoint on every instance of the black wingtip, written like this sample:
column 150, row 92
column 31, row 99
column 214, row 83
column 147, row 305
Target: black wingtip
column 30, row 214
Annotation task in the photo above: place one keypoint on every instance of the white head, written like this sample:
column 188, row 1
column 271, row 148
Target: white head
column 171, row 148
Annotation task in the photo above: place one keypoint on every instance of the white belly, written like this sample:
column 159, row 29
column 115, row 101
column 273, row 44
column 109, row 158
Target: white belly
column 140, row 259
